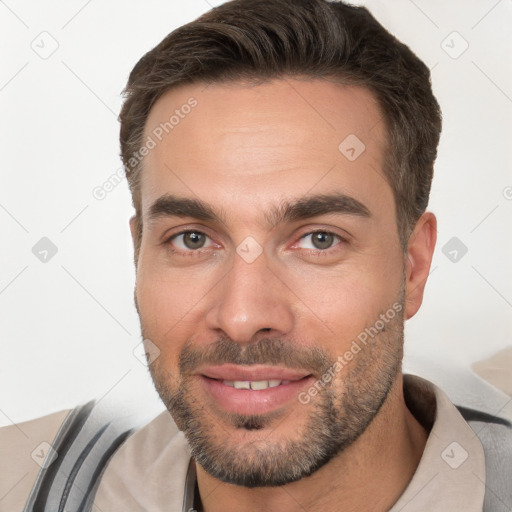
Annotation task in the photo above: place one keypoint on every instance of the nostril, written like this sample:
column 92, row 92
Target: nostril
column 265, row 329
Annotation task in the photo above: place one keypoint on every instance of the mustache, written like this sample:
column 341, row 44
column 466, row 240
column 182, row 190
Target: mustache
column 268, row 351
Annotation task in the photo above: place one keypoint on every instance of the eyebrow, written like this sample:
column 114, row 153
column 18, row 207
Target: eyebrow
column 172, row 206
column 313, row 206
column 304, row 208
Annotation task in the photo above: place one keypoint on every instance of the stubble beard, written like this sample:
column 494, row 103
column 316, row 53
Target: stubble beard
column 335, row 418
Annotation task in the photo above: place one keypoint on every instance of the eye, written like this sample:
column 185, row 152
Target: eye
column 190, row 240
column 320, row 240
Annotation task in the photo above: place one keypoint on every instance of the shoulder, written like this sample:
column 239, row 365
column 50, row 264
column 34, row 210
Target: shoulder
column 95, row 445
column 483, row 397
column 134, row 477
column 25, row 448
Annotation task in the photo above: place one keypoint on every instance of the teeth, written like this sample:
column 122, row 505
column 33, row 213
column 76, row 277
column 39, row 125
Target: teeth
column 253, row 384
column 242, row 384
column 259, row 384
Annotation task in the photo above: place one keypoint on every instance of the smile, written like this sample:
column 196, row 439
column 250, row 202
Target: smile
column 253, row 389
column 254, row 385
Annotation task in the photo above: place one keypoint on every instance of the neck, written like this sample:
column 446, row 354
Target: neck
column 370, row 474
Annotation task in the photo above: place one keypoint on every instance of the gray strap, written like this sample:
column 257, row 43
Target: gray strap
column 84, row 444
column 495, row 434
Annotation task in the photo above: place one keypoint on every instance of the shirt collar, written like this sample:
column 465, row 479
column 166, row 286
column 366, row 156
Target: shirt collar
column 451, row 472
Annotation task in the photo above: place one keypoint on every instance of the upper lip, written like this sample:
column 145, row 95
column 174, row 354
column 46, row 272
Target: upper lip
column 254, row 372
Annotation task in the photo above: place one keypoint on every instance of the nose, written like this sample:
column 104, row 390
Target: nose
column 251, row 299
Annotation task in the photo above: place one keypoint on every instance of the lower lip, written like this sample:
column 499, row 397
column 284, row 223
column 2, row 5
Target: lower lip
column 249, row 402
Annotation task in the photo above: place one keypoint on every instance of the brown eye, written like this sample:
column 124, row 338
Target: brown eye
column 322, row 240
column 193, row 240
column 190, row 240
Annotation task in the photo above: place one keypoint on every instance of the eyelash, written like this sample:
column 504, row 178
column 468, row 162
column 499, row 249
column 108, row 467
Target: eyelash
column 192, row 252
column 182, row 252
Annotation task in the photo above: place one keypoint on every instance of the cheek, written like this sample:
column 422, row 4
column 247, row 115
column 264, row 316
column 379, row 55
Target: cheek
column 167, row 297
column 338, row 305
column 163, row 322
column 156, row 304
column 163, row 313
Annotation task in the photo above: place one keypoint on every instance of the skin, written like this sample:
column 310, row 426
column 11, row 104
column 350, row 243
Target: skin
column 244, row 150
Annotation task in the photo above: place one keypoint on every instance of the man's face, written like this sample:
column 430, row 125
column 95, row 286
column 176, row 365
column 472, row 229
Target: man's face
column 268, row 248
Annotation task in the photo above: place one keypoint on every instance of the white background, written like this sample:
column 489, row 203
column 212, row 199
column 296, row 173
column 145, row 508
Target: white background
column 69, row 326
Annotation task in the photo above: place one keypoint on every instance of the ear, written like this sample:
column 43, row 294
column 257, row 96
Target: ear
column 420, row 250
column 133, row 228
column 136, row 236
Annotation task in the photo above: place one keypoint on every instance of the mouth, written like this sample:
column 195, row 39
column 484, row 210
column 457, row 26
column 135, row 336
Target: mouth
column 255, row 385
column 253, row 389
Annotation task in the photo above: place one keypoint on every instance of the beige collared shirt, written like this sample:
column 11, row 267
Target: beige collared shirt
column 152, row 470
column 451, row 472
column 149, row 472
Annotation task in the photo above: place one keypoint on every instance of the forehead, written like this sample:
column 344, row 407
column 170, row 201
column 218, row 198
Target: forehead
column 235, row 143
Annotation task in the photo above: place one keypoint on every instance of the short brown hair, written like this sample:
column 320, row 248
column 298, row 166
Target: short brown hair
column 266, row 39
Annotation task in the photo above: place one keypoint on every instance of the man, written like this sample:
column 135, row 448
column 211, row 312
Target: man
column 280, row 156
